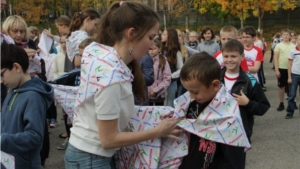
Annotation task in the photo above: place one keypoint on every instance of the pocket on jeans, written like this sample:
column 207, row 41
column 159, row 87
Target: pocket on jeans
column 71, row 165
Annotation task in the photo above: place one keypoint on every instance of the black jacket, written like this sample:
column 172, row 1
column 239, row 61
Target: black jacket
column 258, row 103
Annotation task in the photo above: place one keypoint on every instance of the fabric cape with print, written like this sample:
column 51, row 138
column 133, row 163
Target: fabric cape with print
column 101, row 66
column 8, row 161
column 220, row 121
column 45, row 44
column 72, row 43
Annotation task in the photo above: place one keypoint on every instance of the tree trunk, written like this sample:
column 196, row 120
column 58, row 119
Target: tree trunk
column 187, row 22
column 197, row 17
column 165, row 20
column 242, row 19
column 289, row 16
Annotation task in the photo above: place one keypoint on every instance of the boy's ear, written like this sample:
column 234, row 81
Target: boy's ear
column 216, row 85
column 243, row 56
column 18, row 67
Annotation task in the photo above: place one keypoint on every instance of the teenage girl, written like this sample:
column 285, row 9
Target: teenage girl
column 162, row 76
column 171, row 49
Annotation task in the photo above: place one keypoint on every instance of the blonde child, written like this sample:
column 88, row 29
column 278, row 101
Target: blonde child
column 162, row 76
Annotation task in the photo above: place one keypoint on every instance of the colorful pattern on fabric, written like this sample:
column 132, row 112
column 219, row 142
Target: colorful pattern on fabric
column 66, row 97
column 6, row 38
column 72, row 43
column 101, row 66
column 35, row 64
column 219, row 122
column 45, row 44
column 8, row 161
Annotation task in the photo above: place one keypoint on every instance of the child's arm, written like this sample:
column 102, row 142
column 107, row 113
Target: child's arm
column 290, row 67
column 257, row 103
column 162, row 87
column 35, row 118
column 179, row 65
column 290, row 72
column 276, row 57
column 259, row 59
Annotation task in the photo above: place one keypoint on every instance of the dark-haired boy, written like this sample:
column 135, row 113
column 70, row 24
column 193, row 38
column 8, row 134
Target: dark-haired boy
column 201, row 76
column 243, row 86
column 23, row 115
column 253, row 54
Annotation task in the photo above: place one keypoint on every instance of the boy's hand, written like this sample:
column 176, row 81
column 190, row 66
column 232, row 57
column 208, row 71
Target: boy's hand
column 277, row 73
column 241, row 99
column 289, row 80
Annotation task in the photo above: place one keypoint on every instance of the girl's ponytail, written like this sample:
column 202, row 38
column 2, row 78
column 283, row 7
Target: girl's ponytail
column 79, row 17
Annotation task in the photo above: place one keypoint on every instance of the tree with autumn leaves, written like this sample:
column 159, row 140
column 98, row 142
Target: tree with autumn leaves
column 36, row 11
column 243, row 9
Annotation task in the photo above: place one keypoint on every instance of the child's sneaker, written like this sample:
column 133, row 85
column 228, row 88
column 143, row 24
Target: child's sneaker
column 53, row 123
column 281, row 107
column 64, row 145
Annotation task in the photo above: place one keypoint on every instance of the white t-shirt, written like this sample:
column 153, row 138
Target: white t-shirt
column 252, row 55
column 295, row 57
column 259, row 43
column 229, row 80
column 112, row 102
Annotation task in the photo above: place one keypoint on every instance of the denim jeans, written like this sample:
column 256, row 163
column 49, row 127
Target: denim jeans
column 77, row 159
column 171, row 92
column 292, row 93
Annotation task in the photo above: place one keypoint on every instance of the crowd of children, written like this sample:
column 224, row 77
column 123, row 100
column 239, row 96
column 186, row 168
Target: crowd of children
column 180, row 61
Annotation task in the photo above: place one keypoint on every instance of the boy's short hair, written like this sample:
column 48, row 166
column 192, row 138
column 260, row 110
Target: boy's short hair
column 229, row 28
column 86, row 43
column 249, row 30
column 33, row 30
column 240, row 32
column 10, row 54
column 285, row 31
column 233, row 45
column 202, row 67
column 277, row 35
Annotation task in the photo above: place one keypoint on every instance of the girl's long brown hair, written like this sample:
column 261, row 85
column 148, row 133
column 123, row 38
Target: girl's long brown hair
column 111, row 30
column 162, row 59
column 172, row 46
column 79, row 17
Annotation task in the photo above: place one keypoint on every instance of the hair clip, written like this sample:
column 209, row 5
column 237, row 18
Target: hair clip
column 121, row 2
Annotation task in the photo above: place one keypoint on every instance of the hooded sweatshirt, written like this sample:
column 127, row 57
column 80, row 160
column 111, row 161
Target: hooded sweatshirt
column 23, row 121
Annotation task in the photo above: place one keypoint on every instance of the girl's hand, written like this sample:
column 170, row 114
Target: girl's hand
column 48, row 33
column 166, row 128
column 30, row 53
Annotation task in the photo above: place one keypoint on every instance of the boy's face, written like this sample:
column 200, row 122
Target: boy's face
column 293, row 41
column 193, row 37
column 217, row 38
column 286, row 36
column 77, row 59
column 232, row 61
column 31, row 35
column 240, row 38
column 248, row 40
column 200, row 92
column 226, row 36
column 11, row 78
column 63, row 43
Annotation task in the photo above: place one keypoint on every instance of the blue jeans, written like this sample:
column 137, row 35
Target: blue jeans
column 292, row 94
column 77, row 159
column 171, row 92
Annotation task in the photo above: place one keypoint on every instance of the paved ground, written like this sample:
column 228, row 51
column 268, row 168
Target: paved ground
column 274, row 142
